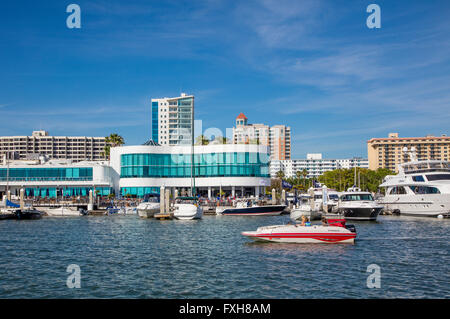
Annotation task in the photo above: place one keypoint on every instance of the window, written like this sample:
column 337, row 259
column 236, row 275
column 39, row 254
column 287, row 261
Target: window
column 356, row 197
column 438, row 177
column 398, row 190
column 425, row 190
column 418, row 178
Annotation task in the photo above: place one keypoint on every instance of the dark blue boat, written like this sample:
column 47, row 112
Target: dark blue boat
column 267, row 210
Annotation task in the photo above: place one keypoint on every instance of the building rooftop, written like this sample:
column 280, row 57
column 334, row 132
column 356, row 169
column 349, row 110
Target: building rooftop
column 241, row 116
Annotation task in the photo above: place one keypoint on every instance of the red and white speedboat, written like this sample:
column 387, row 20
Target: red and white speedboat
column 335, row 232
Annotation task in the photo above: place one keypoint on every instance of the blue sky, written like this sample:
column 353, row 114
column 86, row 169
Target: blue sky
column 313, row 65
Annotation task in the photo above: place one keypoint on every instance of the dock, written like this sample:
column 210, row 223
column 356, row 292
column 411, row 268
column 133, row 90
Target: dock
column 162, row 216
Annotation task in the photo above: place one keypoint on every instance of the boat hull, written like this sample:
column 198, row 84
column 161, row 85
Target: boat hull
column 269, row 210
column 62, row 212
column 360, row 213
column 302, row 234
column 28, row 214
column 410, row 206
column 187, row 212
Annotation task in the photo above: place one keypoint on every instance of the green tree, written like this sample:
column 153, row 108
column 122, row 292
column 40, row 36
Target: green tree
column 113, row 140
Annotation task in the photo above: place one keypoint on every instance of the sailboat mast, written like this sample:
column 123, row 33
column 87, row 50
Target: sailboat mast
column 7, row 174
column 192, row 150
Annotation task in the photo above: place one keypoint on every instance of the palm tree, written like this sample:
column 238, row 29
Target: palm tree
column 221, row 140
column 304, row 174
column 298, row 174
column 202, row 140
column 280, row 174
column 113, row 140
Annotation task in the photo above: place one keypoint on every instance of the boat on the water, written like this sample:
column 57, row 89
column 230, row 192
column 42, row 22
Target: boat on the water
column 358, row 205
column 421, row 188
column 186, row 208
column 149, row 206
column 306, row 208
column 29, row 213
column 63, row 211
column 335, row 232
column 249, row 208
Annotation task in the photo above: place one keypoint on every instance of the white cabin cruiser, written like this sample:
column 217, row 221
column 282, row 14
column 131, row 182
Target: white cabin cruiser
column 63, row 211
column 358, row 205
column 335, row 232
column 421, row 188
column 149, row 207
column 187, row 208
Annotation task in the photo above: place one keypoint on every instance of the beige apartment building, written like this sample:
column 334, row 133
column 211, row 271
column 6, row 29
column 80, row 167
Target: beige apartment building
column 73, row 148
column 277, row 137
column 388, row 152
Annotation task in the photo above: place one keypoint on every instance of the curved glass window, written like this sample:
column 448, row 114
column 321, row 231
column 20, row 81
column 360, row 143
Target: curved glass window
column 206, row 165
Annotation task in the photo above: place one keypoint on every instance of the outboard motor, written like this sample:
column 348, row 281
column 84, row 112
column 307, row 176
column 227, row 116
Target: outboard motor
column 351, row 228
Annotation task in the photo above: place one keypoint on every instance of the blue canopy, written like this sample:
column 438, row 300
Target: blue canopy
column 11, row 204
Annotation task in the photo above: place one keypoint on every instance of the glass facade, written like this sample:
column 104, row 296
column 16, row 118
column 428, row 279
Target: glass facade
column 138, row 191
column 155, row 121
column 47, row 174
column 53, row 192
column 244, row 164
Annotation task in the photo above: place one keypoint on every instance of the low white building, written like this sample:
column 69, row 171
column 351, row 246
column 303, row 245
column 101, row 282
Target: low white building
column 236, row 170
column 56, row 178
column 315, row 165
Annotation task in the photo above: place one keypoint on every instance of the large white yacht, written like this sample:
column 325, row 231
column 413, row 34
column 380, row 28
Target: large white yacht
column 421, row 188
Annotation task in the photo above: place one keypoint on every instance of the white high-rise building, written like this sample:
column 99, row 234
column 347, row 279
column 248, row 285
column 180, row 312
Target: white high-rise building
column 173, row 120
column 315, row 165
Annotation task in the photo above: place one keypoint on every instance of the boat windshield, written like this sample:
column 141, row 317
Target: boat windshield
column 151, row 198
column 186, row 200
column 356, row 197
column 333, row 196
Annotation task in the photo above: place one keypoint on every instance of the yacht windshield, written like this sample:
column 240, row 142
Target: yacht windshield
column 333, row 196
column 151, row 198
column 356, row 197
column 438, row 177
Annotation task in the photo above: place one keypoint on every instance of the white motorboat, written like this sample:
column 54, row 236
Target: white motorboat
column 149, row 207
column 421, row 188
column 187, row 208
column 324, row 198
column 247, row 207
column 63, row 211
column 306, row 208
column 335, row 232
column 357, row 205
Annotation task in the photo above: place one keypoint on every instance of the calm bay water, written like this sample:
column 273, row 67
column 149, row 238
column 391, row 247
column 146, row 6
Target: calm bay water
column 128, row 257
